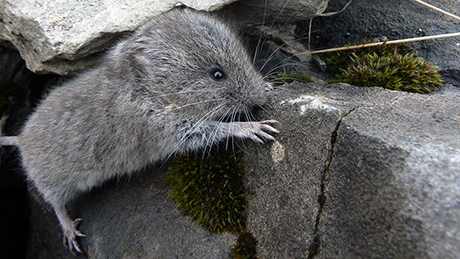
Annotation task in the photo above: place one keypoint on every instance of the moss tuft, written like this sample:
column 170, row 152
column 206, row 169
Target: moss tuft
column 209, row 188
column 338, row 60
column 396, row 72
column 388, row 66
column 245, row 247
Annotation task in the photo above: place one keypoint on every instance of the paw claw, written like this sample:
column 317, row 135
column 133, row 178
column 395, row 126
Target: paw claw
column 255, row 130
column 264, row 130
column 270, row 122
column 70, row 237
column 257, row 139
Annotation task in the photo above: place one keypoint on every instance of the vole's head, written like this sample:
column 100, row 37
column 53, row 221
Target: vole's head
column 191, row 61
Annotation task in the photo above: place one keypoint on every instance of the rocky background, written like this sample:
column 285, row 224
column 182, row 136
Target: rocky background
column 355, row 172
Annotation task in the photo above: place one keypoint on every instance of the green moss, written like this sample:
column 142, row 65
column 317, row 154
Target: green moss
column 396, row 72
column 289, row 78
column 338, row 60
column 388, row 66
column 209, row 188
column 245, row 247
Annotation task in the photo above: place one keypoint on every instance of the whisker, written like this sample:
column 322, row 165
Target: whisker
column 268, row 73
column 232, row 118
column 194, row 128
column 213, row 135
column 200, row 102
column 184, row 91
column 260, row 37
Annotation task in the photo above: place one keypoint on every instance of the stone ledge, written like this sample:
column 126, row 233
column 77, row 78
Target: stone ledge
column 367, row 172
column 358, row 172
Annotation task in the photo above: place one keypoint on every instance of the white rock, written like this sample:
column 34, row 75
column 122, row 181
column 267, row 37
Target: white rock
column 63, row 36
column 53, row 36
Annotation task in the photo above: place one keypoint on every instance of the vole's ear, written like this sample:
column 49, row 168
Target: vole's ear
column 136, row 64
column 125, row 60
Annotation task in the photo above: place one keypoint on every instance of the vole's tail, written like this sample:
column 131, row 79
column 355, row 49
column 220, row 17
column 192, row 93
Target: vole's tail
column 9, row 141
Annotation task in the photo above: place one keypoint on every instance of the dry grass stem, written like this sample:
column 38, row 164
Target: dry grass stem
column 437, row 9
column 456, row 34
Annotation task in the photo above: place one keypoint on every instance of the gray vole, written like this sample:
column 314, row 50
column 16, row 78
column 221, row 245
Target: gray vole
column 166, row 89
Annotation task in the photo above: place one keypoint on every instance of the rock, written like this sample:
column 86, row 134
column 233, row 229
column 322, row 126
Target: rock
column 268, row 12
column 128, row 218
column 68, row 40
column 393, row 20
column 366, row 173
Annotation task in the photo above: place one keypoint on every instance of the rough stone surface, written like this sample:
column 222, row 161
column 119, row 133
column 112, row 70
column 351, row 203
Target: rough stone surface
column 367, row 173
column 396, row 173
column 54, row 36
column 254, row 12
column 393, row 20
column 128, row 218
column 65, row 36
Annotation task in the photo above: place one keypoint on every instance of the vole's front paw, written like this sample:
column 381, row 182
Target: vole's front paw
column 263, row 129
column 255, row 130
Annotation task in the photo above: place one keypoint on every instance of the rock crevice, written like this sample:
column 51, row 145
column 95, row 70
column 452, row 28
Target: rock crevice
column 316, row 242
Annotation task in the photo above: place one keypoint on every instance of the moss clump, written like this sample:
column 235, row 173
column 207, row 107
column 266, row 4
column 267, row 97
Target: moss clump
column 209, row 188
column 396, row 72
column 245, row 247
column 389, row 66
column 289, row 78
column 338, row 60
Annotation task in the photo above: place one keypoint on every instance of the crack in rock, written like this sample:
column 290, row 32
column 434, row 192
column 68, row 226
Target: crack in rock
column 313, row 249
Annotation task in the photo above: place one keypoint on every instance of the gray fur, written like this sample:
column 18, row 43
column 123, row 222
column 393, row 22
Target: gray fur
column 151, row 96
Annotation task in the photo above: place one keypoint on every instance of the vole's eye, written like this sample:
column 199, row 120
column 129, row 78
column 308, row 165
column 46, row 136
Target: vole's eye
column 217, row 74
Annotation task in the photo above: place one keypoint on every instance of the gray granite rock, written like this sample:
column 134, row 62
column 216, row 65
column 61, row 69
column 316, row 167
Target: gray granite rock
column 366, row 173
column 393, row 20
column 65, row 36
column 269, row 12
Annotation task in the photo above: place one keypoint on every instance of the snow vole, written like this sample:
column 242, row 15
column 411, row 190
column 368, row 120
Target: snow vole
column 175, row 85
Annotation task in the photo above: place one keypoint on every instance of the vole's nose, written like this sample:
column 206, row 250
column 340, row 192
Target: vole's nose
column 259, row 97
column 268, row 86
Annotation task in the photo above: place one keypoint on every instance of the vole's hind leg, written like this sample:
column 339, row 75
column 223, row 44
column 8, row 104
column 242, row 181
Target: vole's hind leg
column 69, row 228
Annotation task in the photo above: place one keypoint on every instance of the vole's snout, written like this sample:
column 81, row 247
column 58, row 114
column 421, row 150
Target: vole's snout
column 268, row 87
column 259, row 98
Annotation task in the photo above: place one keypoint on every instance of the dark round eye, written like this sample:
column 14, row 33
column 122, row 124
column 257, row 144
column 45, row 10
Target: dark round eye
column 218, row 74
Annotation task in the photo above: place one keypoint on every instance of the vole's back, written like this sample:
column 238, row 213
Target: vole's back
column 76, row 138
